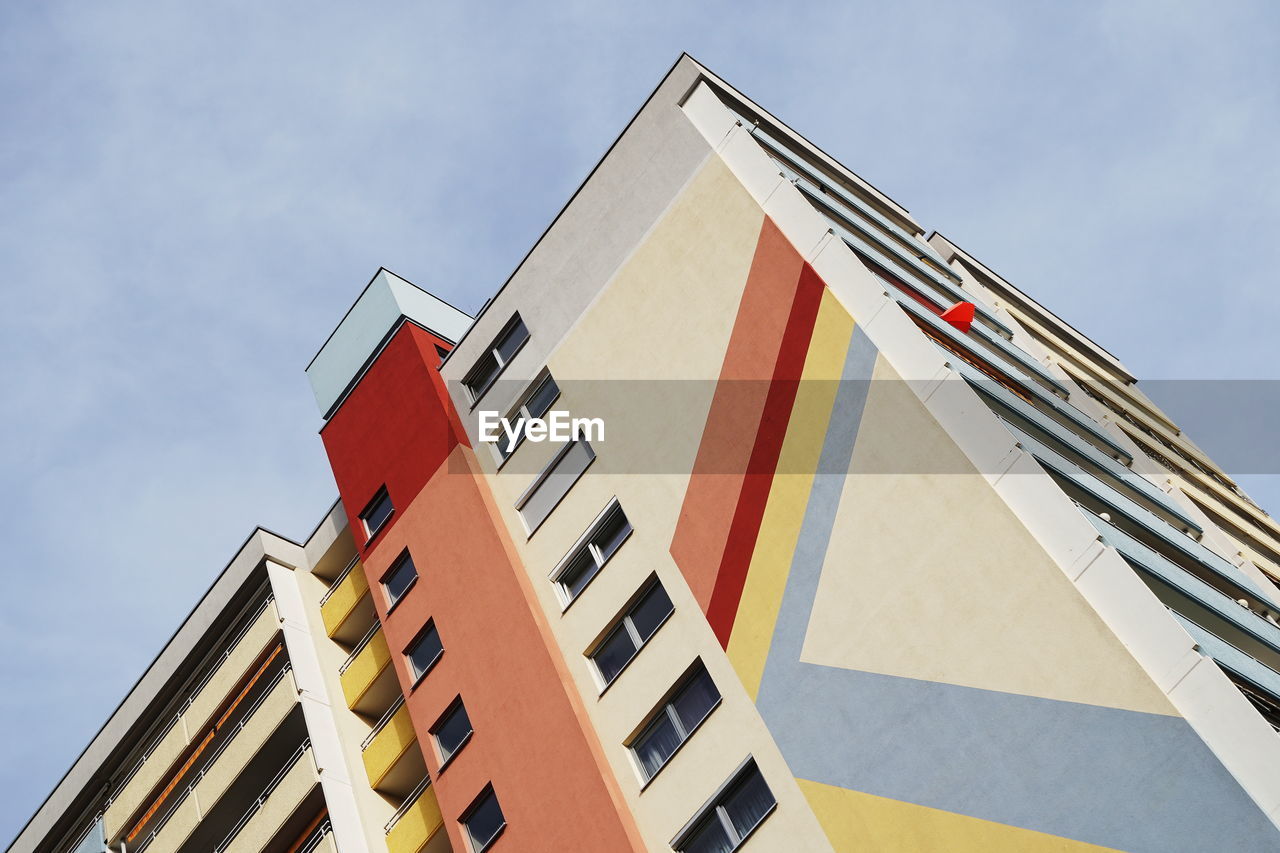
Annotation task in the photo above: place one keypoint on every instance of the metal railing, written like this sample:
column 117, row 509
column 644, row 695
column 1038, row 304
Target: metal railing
column 364, row 641
column 325, row 828
column 298, row 754
column 408, row 803
column 342, row 575
column 217, row 753
column 212, row 667
column 382, row 723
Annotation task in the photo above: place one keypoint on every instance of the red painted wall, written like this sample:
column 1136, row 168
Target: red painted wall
column 393, row 429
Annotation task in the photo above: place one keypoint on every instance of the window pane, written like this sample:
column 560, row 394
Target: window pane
column 376, row 514
column 506, row 444
column 612, row 531
column 581, row 569
column 710, row 838
column 482, row 375
column 452, row 730
column 399, row 578
column 484, row 821
column 540, row 400
column 614, row 653
column 656, row 744
column 555, row 483
column 749, row 802
column 695, row 700
column 511, row 340
column 649, row 611
column 424, row 652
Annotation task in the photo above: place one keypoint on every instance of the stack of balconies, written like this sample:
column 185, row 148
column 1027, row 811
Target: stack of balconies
column 391, row 753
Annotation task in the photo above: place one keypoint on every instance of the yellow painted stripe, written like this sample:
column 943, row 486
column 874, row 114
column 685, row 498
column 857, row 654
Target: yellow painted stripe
column 789, row 493
column 857, row 821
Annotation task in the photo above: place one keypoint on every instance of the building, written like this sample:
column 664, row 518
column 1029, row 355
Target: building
column 876, row 553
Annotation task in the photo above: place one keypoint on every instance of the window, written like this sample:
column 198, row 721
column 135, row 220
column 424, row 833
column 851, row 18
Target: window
column 675, row 721
column 398, row 579
column 554, row 483
column 536, row 403
column 733, row 813
column 639, row 623
column 377, row 512
column 597, row 545
column 483, row 820
column 506, row 345
column 442, row 352
column 452, row 730
column 424, row 651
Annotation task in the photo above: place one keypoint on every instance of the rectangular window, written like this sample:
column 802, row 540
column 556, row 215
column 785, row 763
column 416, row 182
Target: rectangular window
column 675, row 721
column 486, row 370
column 554, row 483
column 483, row 820
column 535, row 403
column 398, row 579
column 725, row 822
column 376, row 513
column 424, row 652
column 452, row 730
column 638, row 624
column 597, row 545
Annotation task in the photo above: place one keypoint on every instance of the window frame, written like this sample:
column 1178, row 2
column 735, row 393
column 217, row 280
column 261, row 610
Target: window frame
column 665, row 709
column 585, row 544
column 623, row 622
column 381, row 494
column 397, row 563
column 486, row 793
column 550, row 470
column 476, row 393
column 430, row 627
column 454, row 707
column 520, row 409
column 714, row 810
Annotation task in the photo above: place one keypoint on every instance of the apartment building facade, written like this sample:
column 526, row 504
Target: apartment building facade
column 874, row 553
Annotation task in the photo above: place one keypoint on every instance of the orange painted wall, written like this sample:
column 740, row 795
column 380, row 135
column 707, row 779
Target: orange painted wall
column 529, row 741
column 556, row 791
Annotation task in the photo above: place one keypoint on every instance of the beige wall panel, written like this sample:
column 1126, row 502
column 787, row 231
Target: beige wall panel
column 900, row 538
column 229, row 673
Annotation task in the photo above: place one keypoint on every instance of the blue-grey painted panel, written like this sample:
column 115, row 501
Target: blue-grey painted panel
column 363, row 330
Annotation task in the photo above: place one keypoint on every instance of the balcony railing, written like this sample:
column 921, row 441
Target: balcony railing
column 342, row 575
column 408, row 803
column 382, row 723
column 172, row 738
column 359, row 647
column 300, row 754
column 211, row 765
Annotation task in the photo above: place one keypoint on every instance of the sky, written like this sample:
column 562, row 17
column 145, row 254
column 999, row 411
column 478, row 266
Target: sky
column 191, row 195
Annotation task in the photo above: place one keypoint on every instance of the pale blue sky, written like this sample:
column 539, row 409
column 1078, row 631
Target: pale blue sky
column 192, row 194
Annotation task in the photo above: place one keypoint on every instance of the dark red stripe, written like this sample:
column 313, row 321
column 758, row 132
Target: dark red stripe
column 745, row 528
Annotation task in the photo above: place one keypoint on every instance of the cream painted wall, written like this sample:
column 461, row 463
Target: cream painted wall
column 932, row 576
column 666, row 315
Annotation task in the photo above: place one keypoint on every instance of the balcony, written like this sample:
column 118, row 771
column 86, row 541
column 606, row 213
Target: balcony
column 347, row 607
column 190, row 723
column 281, row 800
column 417, row 823
column 368, row 679
column 224, row 767
column 392, row 758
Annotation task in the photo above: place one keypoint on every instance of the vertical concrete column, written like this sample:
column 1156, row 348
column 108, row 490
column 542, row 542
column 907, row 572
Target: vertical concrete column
column 326, row 748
